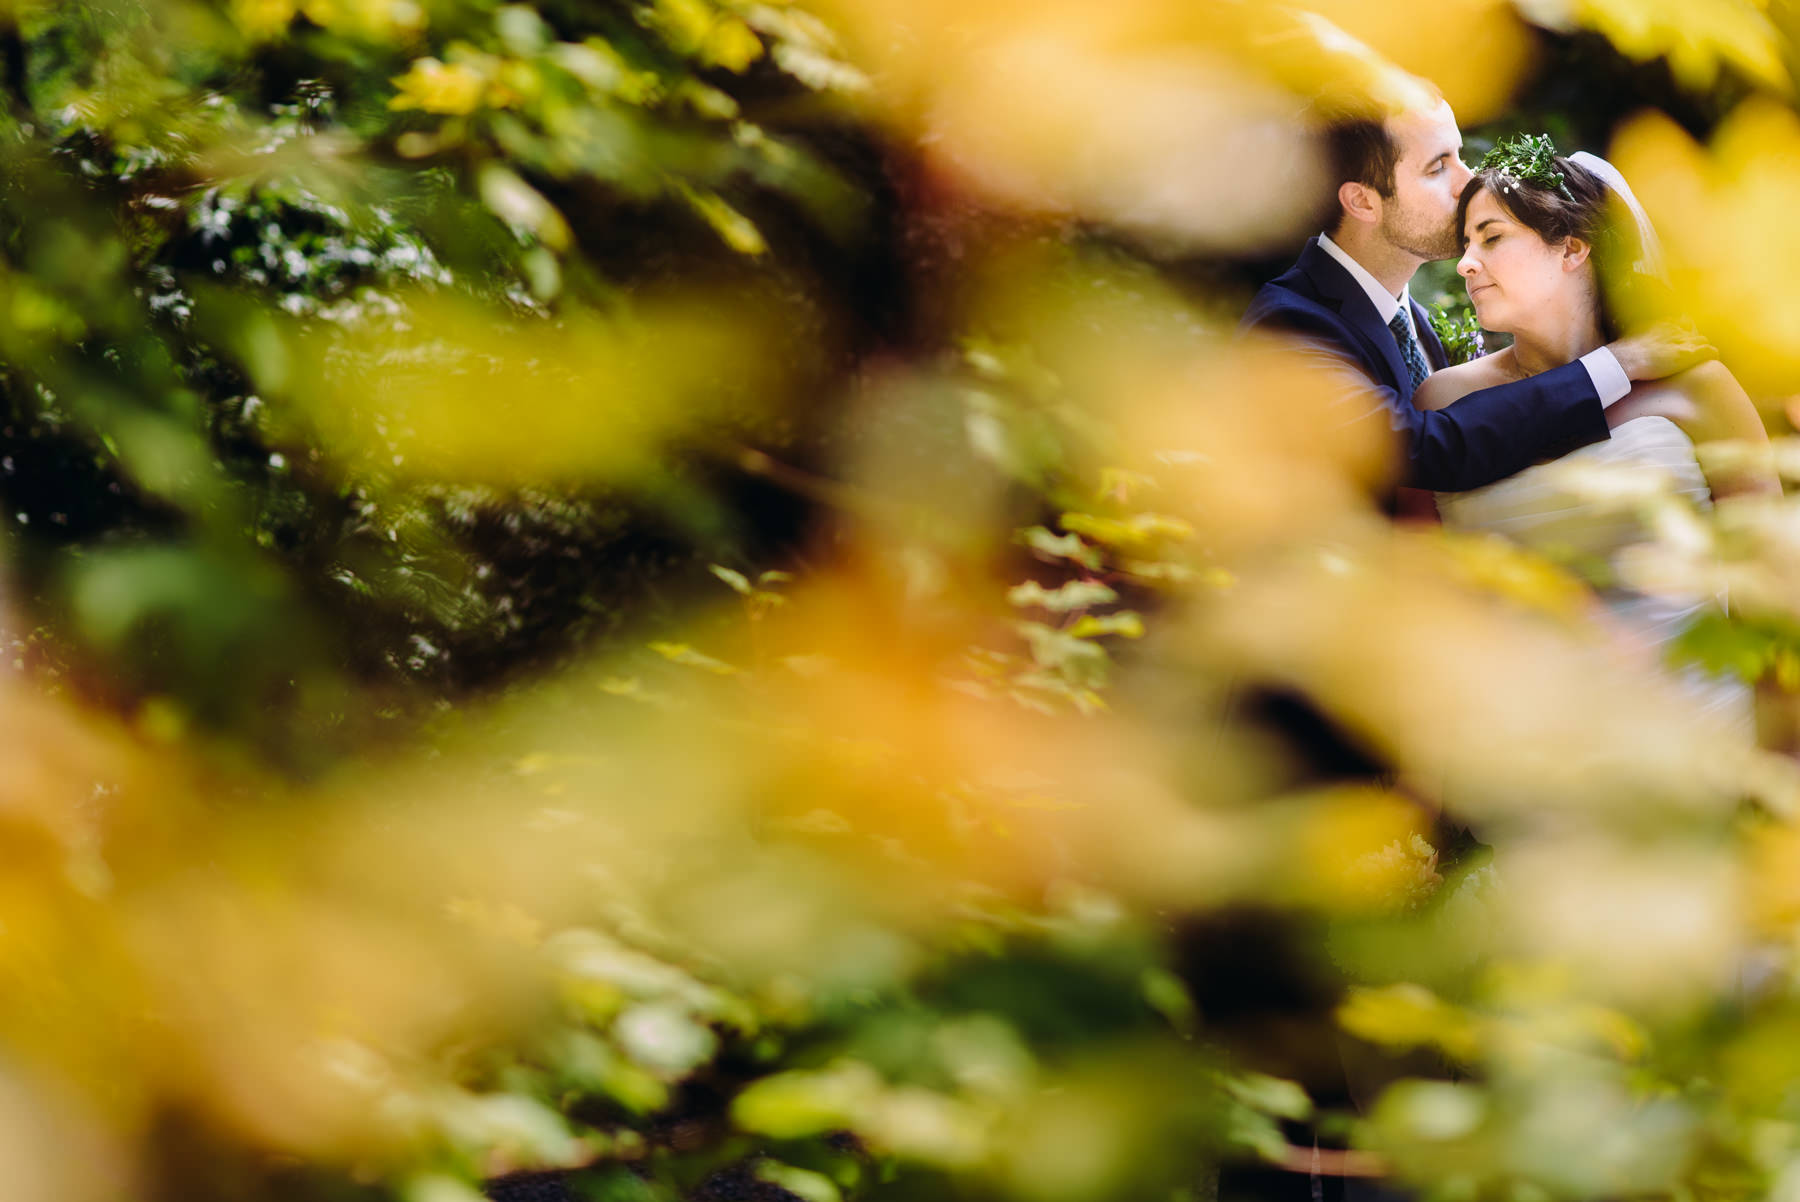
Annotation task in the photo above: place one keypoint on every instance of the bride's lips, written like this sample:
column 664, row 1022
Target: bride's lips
column 1478, row 288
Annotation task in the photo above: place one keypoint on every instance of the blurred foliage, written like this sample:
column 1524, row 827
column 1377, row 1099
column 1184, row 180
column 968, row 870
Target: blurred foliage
column 697, row 595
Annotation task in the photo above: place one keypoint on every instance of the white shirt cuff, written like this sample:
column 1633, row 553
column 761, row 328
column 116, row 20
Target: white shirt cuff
column 1609, row 378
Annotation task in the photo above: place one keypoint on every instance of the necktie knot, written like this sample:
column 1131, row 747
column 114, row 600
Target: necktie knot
column 1410, row 352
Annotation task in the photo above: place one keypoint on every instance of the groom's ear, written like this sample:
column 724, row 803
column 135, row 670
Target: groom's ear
column 1360, row 202
column 1575, row 252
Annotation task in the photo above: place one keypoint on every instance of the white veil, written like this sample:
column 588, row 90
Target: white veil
column 1650, row 262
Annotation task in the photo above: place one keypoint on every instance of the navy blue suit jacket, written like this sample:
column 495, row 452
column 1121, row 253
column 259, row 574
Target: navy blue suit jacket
column 1482, row 437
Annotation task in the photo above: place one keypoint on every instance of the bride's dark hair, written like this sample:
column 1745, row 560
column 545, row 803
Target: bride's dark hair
column 1580, row 208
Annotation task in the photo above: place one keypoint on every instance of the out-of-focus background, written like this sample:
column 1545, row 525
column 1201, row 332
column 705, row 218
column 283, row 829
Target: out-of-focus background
column 658, row 599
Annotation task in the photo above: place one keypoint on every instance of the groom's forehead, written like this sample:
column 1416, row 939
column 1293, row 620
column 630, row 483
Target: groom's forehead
column 1424, row 134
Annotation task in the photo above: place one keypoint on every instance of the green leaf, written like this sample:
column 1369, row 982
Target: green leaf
column 1165, row 994
column 739, row 583
column 1060, row 546
column 797, row 1104
column 435, row 1187
column 681, row 653
column 1437, row 1111
column 1407, row 1016
column 665, row 1038
column 804, row 1184
column 1137, row 535
column 1127, row 624
column 1270, row 1095
column 519, row 204
column 1257, row 1132
column 1721, row 645
column 1076, row 594
column 1080, row 661
column 736, row 230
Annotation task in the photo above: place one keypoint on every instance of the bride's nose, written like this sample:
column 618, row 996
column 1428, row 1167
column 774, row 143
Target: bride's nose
column 1465, row 266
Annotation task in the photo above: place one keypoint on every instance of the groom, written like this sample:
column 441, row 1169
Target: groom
column 1398, row 174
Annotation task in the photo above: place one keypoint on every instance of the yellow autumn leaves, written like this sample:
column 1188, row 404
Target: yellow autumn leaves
column 1726, row 217
column 1697, row 40
column 710, row 35
column 380, row 19
column 460, row 391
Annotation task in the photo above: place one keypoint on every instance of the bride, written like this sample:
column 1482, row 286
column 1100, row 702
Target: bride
column 1540, row 232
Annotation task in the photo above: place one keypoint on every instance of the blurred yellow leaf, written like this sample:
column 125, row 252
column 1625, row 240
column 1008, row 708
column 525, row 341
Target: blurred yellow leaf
column 730, row 44
column 263, row 19
column 461, row 390
column 1410, row 1016
column 436, row 87
column 1497, row 566
column 380, row 19
column 1126, row 625
column 1774, row 881
column 1359, row 849
column 717, row 38
column 1137, row 534
column 1494, row 47
column 1725, row 216
column 737, row 230
column 1698, row 40
column 681, row 653
column 1121, row 111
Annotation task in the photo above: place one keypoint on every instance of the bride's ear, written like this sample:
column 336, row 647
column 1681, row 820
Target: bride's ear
column 1575, row 252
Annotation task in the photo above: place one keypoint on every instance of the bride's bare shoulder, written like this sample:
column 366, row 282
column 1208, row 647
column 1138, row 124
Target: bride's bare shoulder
column 1441, row 388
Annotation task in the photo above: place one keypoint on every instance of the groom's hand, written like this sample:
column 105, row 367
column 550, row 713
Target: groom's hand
column 1662, row 350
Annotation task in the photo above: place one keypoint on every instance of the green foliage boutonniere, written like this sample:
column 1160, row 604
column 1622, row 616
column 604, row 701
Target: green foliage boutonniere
column 1459, row 334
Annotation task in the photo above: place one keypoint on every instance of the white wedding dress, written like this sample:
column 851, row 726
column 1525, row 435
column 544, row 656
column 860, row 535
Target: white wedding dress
column 1536, row 509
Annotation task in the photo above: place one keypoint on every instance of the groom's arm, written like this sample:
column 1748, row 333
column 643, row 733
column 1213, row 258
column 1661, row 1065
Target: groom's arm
column 1492, row 433
column 1483, row 437
column 1487, row 434
column 1548, row 414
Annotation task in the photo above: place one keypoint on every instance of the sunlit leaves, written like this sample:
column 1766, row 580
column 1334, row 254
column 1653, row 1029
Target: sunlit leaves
column 1408, row 1016
column 715, row 36
column 1699, row 41
column 458, row 392
column 1725, row 217
column 1494, row 49
column 370, row 19
column 1122, row 112
column 522, row 206
column 437, row 87
column 1008, row 691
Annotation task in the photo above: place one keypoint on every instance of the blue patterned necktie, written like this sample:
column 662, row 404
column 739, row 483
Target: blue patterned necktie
column 1409, row 349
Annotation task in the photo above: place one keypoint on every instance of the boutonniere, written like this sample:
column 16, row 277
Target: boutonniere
column 1460, row 335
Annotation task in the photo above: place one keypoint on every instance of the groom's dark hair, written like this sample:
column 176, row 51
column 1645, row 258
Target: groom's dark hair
column 1362, row 150
column 1352, row 130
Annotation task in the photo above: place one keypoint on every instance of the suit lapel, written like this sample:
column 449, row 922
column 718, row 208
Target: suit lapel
column 1336, row 285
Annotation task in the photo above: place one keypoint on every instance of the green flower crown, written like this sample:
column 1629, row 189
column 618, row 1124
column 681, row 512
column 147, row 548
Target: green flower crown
column 1529, row 158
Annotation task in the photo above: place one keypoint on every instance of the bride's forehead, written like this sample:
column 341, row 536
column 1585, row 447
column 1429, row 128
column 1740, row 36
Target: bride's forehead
column 1483, row 206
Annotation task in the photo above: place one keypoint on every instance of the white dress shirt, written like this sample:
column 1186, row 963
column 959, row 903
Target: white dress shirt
column 1603, row 368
